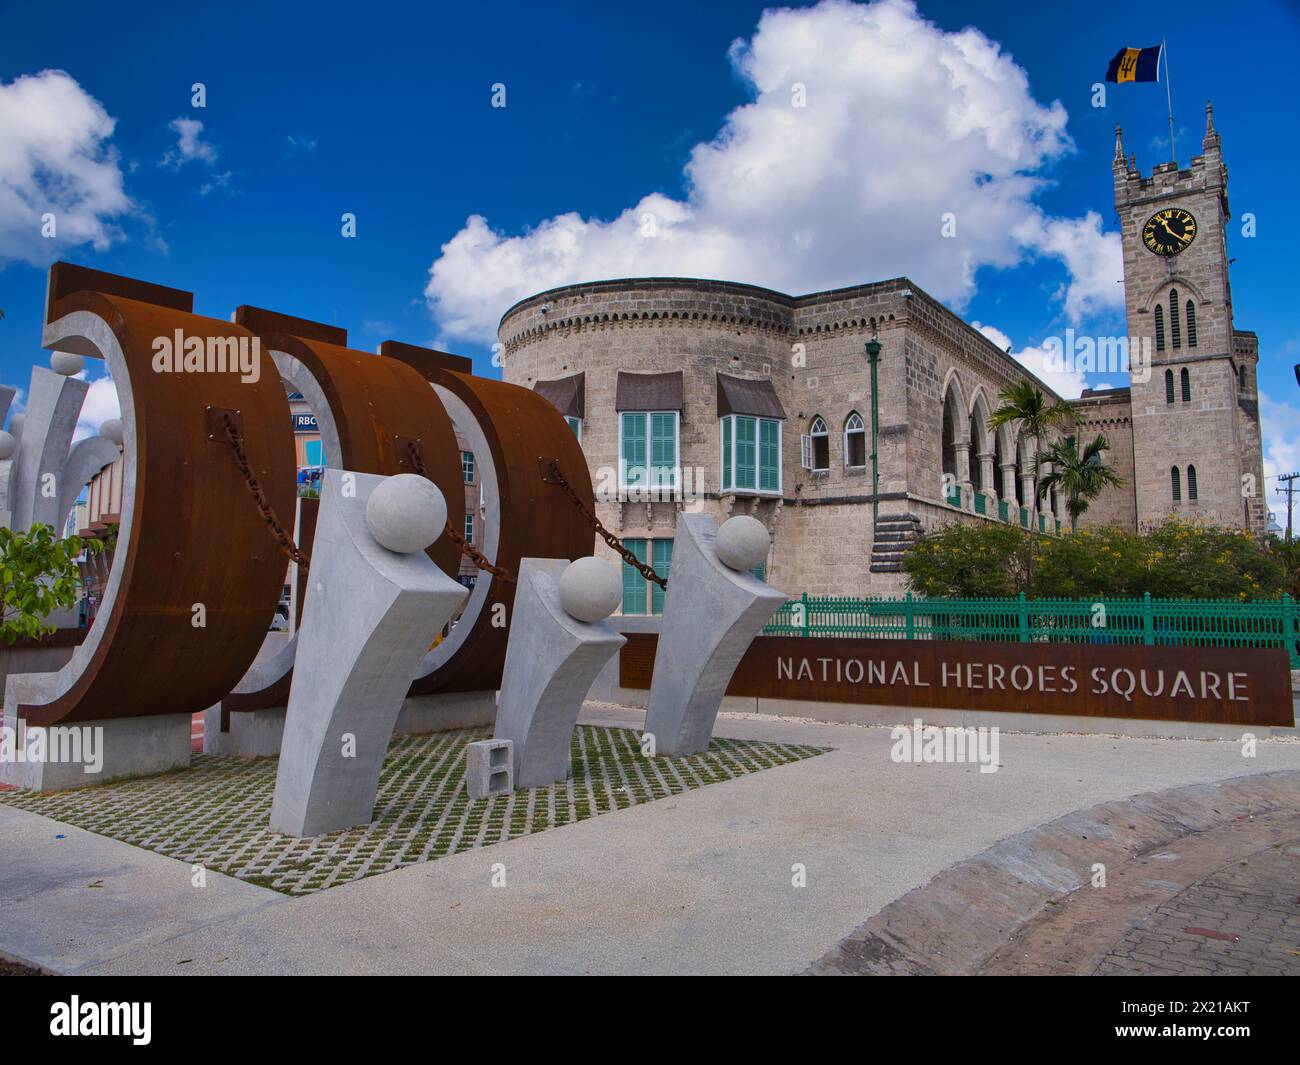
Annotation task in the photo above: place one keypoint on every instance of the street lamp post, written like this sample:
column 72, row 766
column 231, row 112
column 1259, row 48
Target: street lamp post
column 873, row 355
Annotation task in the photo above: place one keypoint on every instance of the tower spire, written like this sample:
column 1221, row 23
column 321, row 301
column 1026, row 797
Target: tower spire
column 1211, row 134
column 1119, row 146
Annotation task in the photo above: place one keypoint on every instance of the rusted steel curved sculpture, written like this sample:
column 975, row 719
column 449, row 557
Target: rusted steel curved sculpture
column 370, row 410
column 191, row 535
column 514, row 433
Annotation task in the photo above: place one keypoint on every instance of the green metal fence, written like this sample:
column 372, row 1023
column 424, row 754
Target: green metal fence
column 1154, row 622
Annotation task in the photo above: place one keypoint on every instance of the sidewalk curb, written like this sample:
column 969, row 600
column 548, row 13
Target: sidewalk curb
column 958, row 921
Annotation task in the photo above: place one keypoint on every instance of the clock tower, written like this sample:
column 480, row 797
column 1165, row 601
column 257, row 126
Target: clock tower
column 1195, row 409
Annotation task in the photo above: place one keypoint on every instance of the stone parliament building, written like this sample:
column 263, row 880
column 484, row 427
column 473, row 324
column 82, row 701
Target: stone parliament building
column 737, row 399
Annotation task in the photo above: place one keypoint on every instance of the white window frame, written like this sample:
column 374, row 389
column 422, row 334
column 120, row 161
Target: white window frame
column 469, row 527
column 861, row 430
column 660, row 491
column 468, row 465
column 758, row 460
column 813, row 435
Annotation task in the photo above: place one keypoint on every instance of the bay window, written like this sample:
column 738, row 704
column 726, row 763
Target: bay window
column 751, row 454
column 647, row 449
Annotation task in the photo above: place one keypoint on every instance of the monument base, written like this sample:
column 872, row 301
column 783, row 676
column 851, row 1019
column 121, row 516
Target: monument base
column 253, row 733
column 444, row 711
column 94, row 752
column 258, row 733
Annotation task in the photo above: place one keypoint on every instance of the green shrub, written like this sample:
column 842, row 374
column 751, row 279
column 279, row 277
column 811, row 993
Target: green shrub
column 1287, row 555
column 1175, row 560
column 971, row 561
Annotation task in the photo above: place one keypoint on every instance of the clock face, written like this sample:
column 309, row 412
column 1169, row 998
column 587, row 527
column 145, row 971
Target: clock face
column 1169, row 231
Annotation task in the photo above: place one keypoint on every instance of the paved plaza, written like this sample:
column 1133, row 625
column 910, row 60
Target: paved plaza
column 772, row 871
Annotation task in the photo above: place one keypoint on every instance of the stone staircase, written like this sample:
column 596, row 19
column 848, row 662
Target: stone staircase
column 894, row 534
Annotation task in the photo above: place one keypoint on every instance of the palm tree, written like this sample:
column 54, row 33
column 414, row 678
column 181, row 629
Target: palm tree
column 1081, row 476
column 1023, row 403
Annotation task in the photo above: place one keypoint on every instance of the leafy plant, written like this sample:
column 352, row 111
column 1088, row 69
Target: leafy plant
column 1175, row 560
column 1080, row 476
column 38, row 575
column 1021, row 402
column 1286, row 553
column 971, row 561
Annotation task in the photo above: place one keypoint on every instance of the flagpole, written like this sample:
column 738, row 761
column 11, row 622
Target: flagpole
column 1169, row 96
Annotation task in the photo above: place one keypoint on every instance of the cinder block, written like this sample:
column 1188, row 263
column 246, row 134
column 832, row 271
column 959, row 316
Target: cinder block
column 490, row 768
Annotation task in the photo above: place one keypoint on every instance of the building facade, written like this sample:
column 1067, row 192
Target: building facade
column 732, row 399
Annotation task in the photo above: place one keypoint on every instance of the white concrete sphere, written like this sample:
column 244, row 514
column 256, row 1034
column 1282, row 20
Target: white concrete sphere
column 742, row 543
column 16, row 425
column 8, row 445
column 590, row 589
column 406, row 513
column 111, row 429
column 66, row 363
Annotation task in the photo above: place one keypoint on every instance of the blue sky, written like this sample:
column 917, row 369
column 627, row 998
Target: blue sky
column 386, row 111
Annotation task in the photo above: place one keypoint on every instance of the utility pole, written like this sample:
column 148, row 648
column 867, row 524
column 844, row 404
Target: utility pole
column 1290, row 479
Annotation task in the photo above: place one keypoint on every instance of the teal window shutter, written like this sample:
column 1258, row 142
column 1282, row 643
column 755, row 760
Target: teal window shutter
column 633, row 436
column 663, row 449
column 746, row 453
column 769, row 472
column 760, row 571
column 314, row 452
column 633, row 583
column 726, row 454
column 663, row 559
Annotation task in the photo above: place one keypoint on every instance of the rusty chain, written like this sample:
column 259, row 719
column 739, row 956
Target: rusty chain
column 466, row 548
column 291, row 550
column 646, row 571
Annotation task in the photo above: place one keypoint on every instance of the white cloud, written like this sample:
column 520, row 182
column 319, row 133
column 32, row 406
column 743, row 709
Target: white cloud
column 1094, row 260
column 55, row 158
column 101, row 403
column 190, row 145
column 220, row 182
column 903, row 124
column 1280, row 425
column 1042, row 363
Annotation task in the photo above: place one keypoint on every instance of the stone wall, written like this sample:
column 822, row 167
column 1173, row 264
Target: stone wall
column 812, row 350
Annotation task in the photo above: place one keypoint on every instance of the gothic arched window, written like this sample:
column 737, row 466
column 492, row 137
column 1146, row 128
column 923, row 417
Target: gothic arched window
column 821, row 444
column 1169, row 386
column 1176, row 483
column 1187, row 384
column 1191, row 482
column 1160, row 327
column 1174, row 334
column 1191, row 324
column 855, row 442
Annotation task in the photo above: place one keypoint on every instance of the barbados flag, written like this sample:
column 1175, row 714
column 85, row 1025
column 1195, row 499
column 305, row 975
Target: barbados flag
column 1135, row 64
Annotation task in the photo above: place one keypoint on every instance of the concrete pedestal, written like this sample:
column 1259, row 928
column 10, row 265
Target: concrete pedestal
column 444, row 711
column 259, row 733
column 252, row 734
column 711, row 614
column 120, row 748
column 551, row 661
column 369, row 615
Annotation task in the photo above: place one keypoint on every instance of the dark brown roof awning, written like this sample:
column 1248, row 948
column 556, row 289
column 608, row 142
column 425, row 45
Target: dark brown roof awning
column 740, row 395
column 649, row 391
column 568, row 395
